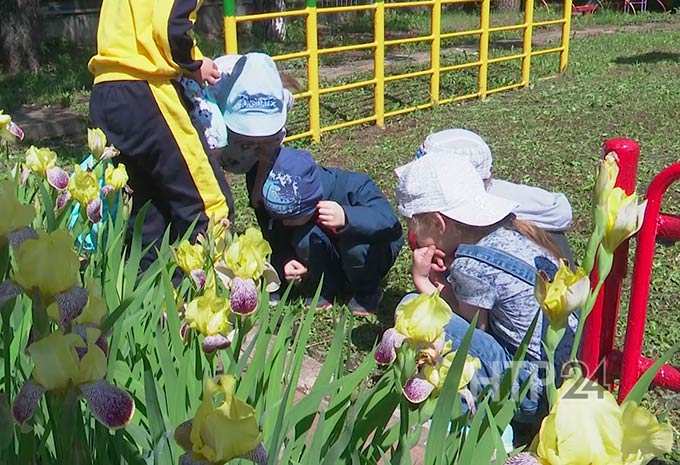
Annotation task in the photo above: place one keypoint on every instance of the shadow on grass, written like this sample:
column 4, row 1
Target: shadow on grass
column 367, row 333
column 651, row 57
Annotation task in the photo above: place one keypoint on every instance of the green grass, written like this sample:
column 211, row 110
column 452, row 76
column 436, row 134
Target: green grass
column 622, row 84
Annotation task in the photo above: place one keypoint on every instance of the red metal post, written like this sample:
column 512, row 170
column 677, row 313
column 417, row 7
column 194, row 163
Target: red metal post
column 598, row 335
column 642, row 273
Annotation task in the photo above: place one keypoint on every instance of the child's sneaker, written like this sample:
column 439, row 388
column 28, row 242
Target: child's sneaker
column 322, row 304
column 365, row 305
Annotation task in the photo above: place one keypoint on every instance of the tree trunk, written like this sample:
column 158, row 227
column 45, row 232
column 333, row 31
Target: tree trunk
column 508, row 5
column 274, row 29
column 20, row 35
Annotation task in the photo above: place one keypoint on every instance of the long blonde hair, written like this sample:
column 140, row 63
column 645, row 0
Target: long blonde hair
column 525, row 228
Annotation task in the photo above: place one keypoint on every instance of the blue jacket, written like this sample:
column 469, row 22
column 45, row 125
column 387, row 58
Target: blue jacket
column 369, row 216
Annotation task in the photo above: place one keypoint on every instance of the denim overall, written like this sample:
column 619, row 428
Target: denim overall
column 496, row 355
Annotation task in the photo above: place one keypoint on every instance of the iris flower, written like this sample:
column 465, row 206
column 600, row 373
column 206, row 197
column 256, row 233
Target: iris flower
column 9, row 130
column 116, row 178
column 39, row 160
column 224, row 428
column 624, row 217
column 209, row 315
column 71, row 361
column 587, row 427
column 432, row 372
column 247, row 255
column 47, row 264
column 14, row 215
column 567, row 292
column 420, row 322
column 96, row 141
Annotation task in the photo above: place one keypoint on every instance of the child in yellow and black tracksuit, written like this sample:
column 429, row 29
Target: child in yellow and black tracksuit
column 142, row 48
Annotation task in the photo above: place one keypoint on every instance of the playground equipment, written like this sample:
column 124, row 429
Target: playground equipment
column 602, row 361
column 312, row 52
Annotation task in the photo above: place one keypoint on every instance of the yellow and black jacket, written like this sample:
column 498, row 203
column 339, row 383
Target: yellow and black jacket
column 145, row 40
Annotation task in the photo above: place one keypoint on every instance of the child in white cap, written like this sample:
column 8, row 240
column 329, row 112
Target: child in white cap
column 490, row 262
column 548, row 210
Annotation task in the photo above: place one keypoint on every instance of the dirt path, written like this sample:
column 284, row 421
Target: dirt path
column 356, row 63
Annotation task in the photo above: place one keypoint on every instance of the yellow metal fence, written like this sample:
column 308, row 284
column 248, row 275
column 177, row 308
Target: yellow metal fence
column 312, row 52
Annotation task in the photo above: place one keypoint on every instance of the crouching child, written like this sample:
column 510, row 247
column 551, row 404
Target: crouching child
column 330, row 222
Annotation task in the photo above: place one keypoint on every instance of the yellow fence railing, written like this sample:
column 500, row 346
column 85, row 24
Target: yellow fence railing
column 312, row 52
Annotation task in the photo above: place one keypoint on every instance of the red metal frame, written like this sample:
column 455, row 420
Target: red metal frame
column 655, row 225
column 597, row 352
column 598, row 335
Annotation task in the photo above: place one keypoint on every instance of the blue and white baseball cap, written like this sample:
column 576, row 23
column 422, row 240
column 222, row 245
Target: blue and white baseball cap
column 257, row 104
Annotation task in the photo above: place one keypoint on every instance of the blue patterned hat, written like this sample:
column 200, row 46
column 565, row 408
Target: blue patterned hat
column 293, row 187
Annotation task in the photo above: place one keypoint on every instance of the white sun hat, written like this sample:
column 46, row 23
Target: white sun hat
column 257, row 104
column 460, row 143
column 450, row 186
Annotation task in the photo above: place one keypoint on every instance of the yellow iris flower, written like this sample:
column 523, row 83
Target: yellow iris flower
column 247, row 255
column 14, row 214
column 567, row 292
column 39, row 160
column 606, row 178
column 96, row 141
column 48, row 264
column 436, row 375
column 586, row 426
column 116, row 177
column 623, row 218
column 224, row 426
column 189, row 256
column 209, row 314
column 83, row 186
column 56, row 361
column 95, row 310
column 422, row 319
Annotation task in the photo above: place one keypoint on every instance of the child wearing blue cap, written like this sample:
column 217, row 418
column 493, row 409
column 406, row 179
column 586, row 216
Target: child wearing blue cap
column 332, row 222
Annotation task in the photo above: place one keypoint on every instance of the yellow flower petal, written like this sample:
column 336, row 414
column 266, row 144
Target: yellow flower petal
column 95, row 310
column 189, row 256
column 643, row 436
column 437, row 374
column 48, row 264
column 227, row 430
column 606, row 179
column 209, row 314
column 624, row 218
column 96, row 141
column 14, row 215
column 583, row 428
column 116, row 177
column 55, row 360
column 39, row 160
column 422, row 319
column 247, row 255
column 567, row 292
column 83, row 186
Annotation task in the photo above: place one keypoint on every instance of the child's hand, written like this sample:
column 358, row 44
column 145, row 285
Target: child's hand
column 331, row 214
column 294, row 270
column 422, row 262
column 208, row 72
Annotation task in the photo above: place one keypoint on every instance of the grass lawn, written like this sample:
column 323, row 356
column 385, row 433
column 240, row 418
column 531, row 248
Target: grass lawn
column 621, row 84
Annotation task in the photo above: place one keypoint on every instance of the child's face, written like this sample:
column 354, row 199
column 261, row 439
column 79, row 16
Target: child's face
column 434, row 229
column 257, row 148
column 297, row 221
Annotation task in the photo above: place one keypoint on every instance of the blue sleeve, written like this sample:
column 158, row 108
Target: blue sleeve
column 369, row 216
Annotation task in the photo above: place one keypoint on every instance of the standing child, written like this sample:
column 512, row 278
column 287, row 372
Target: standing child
column 330, row 222
column 142, row 48
column 492, row 259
